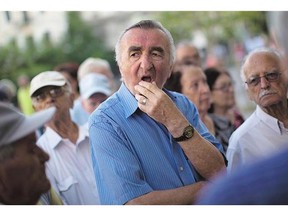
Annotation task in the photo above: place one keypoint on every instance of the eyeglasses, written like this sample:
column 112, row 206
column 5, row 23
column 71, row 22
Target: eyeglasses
column 270, row 77
column 53, row 92
column 224, row 88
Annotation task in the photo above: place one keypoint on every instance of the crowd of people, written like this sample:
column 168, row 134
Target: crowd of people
column 170, row 134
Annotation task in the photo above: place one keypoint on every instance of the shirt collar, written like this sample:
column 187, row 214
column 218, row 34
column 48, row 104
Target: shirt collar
column 269, row 120
column 128, row 101
column 55, row 139
column 83, row 133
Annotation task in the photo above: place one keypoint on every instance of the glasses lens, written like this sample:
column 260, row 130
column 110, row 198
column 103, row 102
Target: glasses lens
column 253, row 81
column 56, row 92
column 272, row 76
column 53, row 92
column 40, row 96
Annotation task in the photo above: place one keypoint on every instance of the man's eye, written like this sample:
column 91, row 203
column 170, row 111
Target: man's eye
column 135, row 54
column 253, row 80
column 156, row 55
column 271, row 75
column 40, row 97
column 194, row 86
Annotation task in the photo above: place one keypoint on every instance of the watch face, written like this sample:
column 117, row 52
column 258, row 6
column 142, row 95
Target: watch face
column 189, row 132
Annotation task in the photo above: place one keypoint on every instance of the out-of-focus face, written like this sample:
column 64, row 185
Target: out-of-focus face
column 195, row 87
column 24, row 173
column 93, row 102
column 223, row 92
column 188, row 55
column 145, row 55
column 56, row 96
column 263, row 92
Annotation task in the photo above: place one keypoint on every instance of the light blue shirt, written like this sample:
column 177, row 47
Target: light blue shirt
column 133, row 154
column 258, row 137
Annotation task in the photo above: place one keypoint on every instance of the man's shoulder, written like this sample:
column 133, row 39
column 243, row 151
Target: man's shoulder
column 248, row 126
column 49, row 139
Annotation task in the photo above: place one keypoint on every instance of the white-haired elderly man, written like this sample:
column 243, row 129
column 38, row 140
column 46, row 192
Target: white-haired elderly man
column 70, row 166
column 266, row 130
column 22, row 162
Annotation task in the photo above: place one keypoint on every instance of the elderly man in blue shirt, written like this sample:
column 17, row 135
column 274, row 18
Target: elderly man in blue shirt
column 148, row 144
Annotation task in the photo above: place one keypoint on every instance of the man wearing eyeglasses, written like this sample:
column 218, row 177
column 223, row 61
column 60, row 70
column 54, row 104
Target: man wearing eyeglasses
column 70, row 167
column 266, row 131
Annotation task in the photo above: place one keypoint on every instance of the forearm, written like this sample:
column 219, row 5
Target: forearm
column 204, row 156
column 185, row 195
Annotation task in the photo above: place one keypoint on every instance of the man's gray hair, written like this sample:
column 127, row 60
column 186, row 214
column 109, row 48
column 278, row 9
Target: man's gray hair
column 90, row 65
column 270, row 51
column 146, row 24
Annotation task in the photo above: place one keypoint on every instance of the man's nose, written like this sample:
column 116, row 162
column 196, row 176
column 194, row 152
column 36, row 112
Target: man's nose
column 146, row 63
column 204, row 88
column 264, row 83
column 42, row 155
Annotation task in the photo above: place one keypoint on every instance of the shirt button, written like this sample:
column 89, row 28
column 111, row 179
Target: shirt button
column 181, row 168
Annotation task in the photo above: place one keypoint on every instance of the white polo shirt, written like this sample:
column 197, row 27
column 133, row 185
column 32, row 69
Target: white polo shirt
column 69, row 168
column 258, row 137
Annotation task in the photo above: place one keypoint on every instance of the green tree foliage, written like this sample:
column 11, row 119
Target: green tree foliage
column 80, row 42
column 217, row 25
column 76, row 45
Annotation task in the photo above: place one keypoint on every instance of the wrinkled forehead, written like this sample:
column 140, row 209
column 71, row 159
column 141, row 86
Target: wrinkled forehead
column 262, row 62
column 144, row 38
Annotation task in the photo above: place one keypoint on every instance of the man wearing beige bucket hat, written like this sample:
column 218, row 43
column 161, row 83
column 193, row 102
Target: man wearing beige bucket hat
column 22, row 171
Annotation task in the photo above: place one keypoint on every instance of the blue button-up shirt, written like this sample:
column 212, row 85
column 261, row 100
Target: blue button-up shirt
column 133, row 154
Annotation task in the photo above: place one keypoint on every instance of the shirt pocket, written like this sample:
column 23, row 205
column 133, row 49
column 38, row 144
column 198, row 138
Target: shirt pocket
column 67, row 184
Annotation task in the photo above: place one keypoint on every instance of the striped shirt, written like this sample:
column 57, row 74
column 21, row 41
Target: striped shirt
column 133, row 154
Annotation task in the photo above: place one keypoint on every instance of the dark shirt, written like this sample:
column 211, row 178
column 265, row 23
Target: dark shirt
column 223, row 129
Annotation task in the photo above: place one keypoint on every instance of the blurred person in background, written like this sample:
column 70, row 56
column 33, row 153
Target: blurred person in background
column 94, row 89
column 223, row 110
column 186, row 54
column 8, row 91
column 192, row 82
column 23, row 97
column 70, row 166
column 96, row 66
column 264, row 73
column 70, row 72
column 264, row 182
column 22, row 162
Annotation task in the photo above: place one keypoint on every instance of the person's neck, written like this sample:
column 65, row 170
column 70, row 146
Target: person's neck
column 221, row 111
column 65, row 127
column 278, row 111
column 224, row 112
